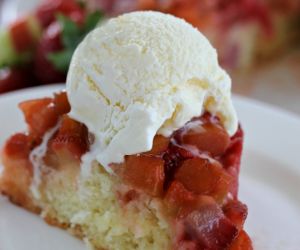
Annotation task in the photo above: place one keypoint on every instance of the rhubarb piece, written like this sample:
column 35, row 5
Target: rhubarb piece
column 61, row 103
column 43, row 114
column 242, row 242
column 236, row 212
column 17, row 175
column 40, row 115
column 231, row 160
column 18, row 146
column 209, row 227
column 160, row 145
column 145, row 173
column 206, row 136
column 71, row 136
column 205, row 177
column 178, row 197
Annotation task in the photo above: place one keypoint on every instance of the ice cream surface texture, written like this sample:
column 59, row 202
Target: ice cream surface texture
column 141, row 74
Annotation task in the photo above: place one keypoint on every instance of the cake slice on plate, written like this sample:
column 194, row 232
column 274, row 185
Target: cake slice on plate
column 143, row 149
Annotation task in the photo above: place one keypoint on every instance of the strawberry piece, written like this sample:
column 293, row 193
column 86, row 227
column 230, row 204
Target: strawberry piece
column 14, row 78
column 49, row 8
column 206, row 136
column 160, row 145
column 73, row 137
column 21, row 35
column 77, row 16
column 236, row 212
column 43, row 68
column 18, row 146
column 209, row 227
column 144, row 172
column 242, row 242
column 40, row 115
column 204, row 177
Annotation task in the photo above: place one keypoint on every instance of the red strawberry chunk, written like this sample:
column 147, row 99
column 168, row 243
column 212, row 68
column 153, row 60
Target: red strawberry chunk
column 236, row 212
column 209, row 227
column 145, row 173
column 15, row 78
column 21, row 35
column 72, row 136
column 204, row 177
column 50, row 42
column 49, row 8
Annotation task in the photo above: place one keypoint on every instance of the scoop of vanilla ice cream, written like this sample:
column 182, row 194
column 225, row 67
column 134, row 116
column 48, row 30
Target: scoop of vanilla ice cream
column 144, row 73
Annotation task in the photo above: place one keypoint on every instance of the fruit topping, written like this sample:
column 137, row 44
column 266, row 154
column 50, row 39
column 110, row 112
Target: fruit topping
column 18, row 146
column 160, row 145
column 61, row 103
column 178, row 197
column 204, row 176
column 71, row 136
column 43, row 114
column 205, row 134
column 195, row 172
column 231, row 159
column 145, row 173
column 242, row 242
column 236, row 212
column 208, row 226
column 40, row 115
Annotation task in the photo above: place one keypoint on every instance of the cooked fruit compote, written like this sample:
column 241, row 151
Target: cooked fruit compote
column 193, row 173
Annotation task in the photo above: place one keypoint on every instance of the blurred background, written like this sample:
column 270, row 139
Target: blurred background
column 258, row 41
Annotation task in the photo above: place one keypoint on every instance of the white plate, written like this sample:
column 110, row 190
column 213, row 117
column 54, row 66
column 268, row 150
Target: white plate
column 270, row 180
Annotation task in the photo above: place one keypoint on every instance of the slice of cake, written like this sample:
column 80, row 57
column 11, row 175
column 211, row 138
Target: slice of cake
column 143, row 150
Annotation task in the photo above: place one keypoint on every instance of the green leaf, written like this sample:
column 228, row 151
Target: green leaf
column 92, row 20
column 81, row 3
column 71, row 33
column 61, row 60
